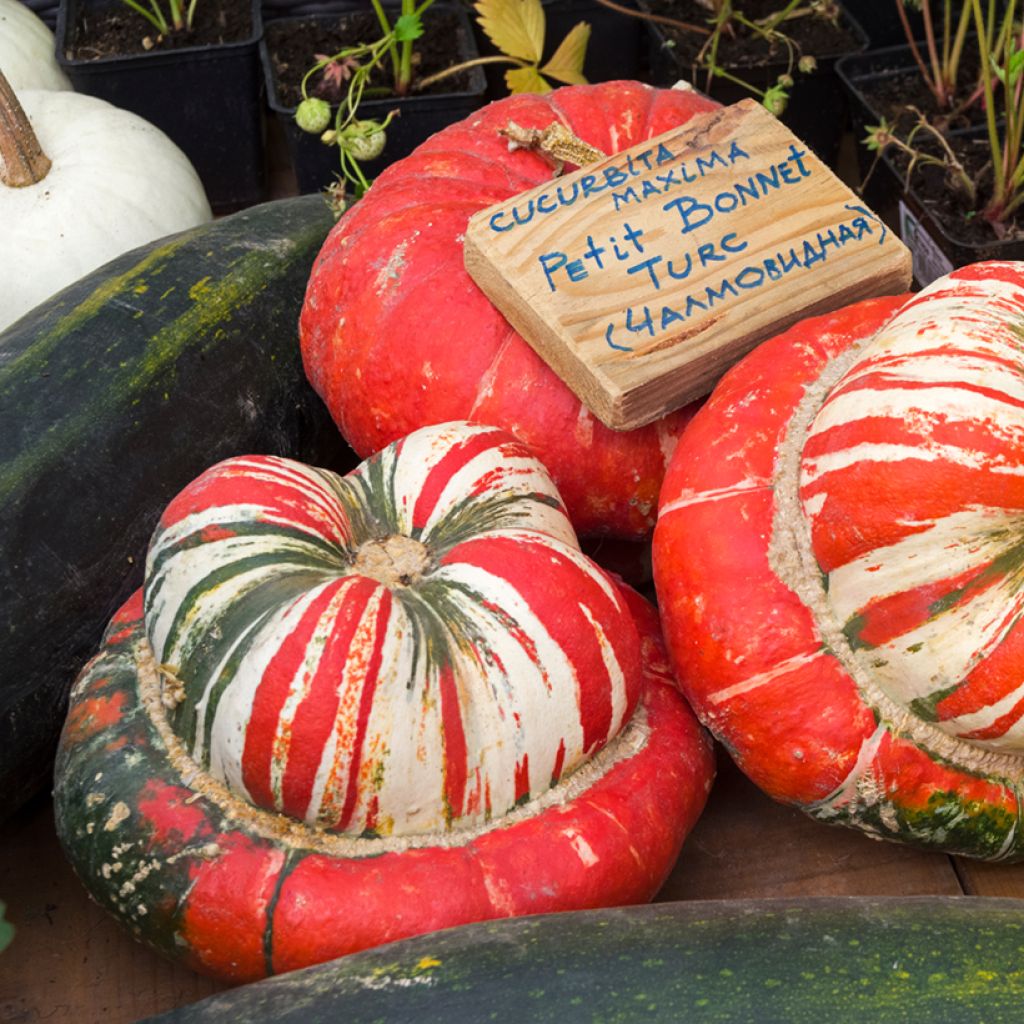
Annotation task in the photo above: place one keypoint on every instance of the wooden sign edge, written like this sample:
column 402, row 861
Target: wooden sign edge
column 601, row 394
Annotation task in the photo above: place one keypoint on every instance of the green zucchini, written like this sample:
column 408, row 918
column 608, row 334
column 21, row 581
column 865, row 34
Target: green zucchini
column 806, row 961
column 113, row 395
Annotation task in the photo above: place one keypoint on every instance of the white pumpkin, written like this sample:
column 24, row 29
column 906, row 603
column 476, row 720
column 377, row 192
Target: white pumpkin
column 115, row 182
column 27, row 50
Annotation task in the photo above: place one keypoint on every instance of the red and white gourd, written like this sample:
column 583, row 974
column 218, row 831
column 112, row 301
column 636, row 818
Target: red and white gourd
column 838, row 559
column 346, row 710
column 395, row 334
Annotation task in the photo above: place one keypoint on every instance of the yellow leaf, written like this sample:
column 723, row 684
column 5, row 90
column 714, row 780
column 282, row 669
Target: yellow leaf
column 516, row 27
column 566, row 62
column 525, row 80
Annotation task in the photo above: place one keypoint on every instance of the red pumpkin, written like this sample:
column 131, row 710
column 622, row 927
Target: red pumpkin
column 395, row 334
column 348, row 710
column 839, row 565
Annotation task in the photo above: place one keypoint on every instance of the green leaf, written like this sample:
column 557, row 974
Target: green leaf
column 516, row 27
column 566, row 64
column 525, row 80
column 6, row 929
column 1016, row 64
column 408, row 27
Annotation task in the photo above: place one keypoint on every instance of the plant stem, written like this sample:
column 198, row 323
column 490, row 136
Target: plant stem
column 909, row 32
column 22, row 160
column 683, row 26
column 155, row 17
column 386, row 29
column 438, row 76
column 770, row 24
column 998, row 167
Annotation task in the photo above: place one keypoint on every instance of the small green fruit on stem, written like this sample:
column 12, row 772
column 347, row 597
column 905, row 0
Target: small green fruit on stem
column 364, row 140
column 313, row 115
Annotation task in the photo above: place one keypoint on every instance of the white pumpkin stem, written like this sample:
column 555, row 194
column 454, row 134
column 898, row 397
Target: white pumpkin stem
column 22, row 160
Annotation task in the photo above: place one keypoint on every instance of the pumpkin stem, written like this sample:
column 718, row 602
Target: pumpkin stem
column 555, row 142
column 395, row 561
column 22, row 161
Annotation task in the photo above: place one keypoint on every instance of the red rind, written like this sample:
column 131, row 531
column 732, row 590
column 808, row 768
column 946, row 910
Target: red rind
column 395, row 334
column 746, row 648
column 234, row 904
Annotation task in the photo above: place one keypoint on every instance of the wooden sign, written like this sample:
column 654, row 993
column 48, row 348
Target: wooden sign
column 641, row 278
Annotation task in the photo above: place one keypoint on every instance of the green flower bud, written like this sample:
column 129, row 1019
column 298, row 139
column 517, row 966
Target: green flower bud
column 313, row 115
column 775, row 100
column 807, row 64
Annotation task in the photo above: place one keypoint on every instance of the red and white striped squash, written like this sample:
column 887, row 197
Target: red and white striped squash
column 395, row 334
column 348, row 709
column 839, row 564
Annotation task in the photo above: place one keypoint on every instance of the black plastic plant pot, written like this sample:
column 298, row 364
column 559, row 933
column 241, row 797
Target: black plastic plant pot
column 616, row 49
column 937, row 246
column 316, row 164
column 881, row 21
column 207, row 99
column 817, row 110
column 864, row 77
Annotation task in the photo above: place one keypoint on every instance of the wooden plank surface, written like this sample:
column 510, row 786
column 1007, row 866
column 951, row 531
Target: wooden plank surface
column 745, row 846
column 70, row 962
column 641, row 277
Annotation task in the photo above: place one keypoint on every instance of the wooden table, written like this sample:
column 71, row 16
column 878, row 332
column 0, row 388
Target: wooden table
column 70, row 962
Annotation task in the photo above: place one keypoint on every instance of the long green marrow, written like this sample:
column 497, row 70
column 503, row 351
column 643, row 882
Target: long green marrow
column 113, row 396
column 806, row 961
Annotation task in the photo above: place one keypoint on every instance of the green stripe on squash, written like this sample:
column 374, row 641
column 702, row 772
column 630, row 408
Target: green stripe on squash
column 806, row 961
column 113, row 395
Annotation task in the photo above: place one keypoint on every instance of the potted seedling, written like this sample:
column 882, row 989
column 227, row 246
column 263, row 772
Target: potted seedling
column 957, row 191
column 934, row 70
column 191, row 67
column 365, row 104
column 371, row 59
column 780, row 51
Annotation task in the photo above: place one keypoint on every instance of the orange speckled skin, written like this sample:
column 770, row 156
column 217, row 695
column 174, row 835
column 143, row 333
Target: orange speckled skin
column 395, row 334
column 214, row 893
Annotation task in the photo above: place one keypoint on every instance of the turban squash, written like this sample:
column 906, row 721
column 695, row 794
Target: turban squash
column 839, row 562
column 342, row 711
column 395, row 335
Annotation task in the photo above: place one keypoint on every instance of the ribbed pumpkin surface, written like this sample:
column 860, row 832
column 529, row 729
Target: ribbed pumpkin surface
column 912, row 486
column 839, row 563
column 417, row 646
column 395, row 335
column 348, row 710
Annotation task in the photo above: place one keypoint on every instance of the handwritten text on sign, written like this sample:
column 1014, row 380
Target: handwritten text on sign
column 641, row 278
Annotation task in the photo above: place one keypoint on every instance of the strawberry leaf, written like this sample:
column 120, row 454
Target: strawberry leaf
column 525, row 80
column 516, row 27
column 408, row 27
column 566, row 63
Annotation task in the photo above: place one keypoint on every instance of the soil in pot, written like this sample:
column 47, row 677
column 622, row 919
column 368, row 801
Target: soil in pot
column 934, row 216
column 815, row 36
column 816, row 111
column 294, row 46
column 291, row 46
column 117, row 31
column 889, row 84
